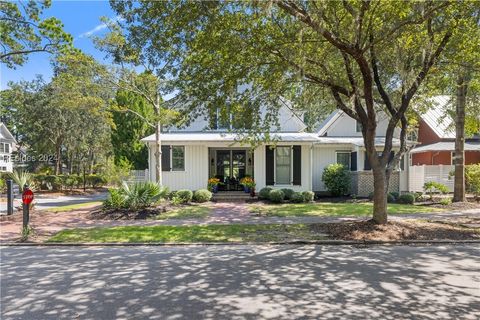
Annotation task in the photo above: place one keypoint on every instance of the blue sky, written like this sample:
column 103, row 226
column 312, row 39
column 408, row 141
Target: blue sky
column 80, row 19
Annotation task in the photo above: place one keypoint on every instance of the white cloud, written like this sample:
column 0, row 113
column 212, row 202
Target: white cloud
column 100, row 27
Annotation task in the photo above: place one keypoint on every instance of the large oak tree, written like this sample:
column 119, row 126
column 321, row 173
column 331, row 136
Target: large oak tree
column 369, row 56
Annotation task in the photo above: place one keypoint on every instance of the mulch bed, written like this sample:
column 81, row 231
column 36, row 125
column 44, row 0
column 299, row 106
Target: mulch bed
column 405, row 230
column 126, row 214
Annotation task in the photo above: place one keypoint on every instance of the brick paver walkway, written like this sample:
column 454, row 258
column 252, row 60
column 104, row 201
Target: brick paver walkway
column 46, row 223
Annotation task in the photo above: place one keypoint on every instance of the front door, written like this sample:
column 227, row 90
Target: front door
column 231, row 167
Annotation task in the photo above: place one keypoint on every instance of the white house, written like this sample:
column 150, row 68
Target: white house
column 7, row 142
column 190, row 156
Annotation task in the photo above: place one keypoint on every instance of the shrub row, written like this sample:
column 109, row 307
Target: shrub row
column 60, row 182
column 281, row 195
column 186, row 196
column 395, row 197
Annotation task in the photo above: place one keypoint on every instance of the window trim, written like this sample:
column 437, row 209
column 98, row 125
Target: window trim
column 349, row 157
column 171, row 158
column 276, row 183
column 358, row 125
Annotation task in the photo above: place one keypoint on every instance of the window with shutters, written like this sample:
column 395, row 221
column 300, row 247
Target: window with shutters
column 178, row 158
column 343, row 157
column 283, row 165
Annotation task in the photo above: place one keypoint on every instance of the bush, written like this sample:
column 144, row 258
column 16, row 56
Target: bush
column 390, row 198
column 3, row 185
column 184, row 195
column 288, row 193
column 202, row 195
column 446, row 201
column 276, row 195
column 406, row 198
column 395, row 194
column 337, row 179
column 115, row 200
column 264, row 193
column 308, row 196
column 297, row 197
column 432, row 186
column 135, row 196
column 472, row 178
column 172, row 195
column 95, row 180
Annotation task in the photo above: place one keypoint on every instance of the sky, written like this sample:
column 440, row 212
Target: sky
column 81, row 19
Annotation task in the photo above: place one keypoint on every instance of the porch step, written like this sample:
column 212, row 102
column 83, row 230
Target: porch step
column 231, row 196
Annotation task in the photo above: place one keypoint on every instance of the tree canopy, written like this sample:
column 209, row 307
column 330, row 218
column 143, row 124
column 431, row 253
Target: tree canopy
column 23, row 31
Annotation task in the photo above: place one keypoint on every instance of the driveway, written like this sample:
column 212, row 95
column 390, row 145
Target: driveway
column 241, row 282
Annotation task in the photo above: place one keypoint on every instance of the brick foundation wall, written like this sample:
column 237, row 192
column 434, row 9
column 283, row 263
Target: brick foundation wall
column 362, row 183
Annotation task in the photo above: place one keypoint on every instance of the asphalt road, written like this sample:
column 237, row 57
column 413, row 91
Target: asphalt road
column 241, row 282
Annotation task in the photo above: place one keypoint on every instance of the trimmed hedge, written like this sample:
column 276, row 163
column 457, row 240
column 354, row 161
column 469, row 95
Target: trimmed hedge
column 297, row 197
column 202, row 195
column 308, row 196
column 264, row 193
column 184, row 195
column 276, row 196
column 406, row 198
column 288, row 193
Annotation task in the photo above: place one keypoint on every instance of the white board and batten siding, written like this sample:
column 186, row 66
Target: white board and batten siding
column 195, row 175
column 259, row 168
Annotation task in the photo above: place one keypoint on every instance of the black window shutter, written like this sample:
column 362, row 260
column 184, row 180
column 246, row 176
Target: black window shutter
column 166, row 158
column 353, row 161
column 269, row 166
column 297, row 165
column 366, row 164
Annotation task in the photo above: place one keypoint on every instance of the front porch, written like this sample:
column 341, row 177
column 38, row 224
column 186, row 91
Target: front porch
column 230, row 165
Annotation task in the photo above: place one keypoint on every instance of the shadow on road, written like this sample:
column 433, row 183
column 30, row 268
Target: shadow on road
column 240, row 282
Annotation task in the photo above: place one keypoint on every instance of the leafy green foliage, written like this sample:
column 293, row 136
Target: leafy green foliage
column 297, row 197
column 24, row 32
column 128, row 128
column 472, row 178
column 22, row 178
column 202, row 195
column 431, row 187
column 337, row 179
column 406, row 198
column 264, row 193
column 184, row 195
column 308, row 196
column 276, row 196
column 288, row 193
column 446, row 201
column 135, row 196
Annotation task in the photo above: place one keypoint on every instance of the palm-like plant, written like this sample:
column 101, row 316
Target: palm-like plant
column 22, row 178
column 139, row 195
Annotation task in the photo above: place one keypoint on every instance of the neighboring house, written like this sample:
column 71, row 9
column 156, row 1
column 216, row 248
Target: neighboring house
column 190, row 156
column 436, row 138
column 7, row 143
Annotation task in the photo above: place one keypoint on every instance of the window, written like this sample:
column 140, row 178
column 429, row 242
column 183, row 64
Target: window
column 413, row 135
column 358, row 126
column 5, row 158
column 178, row 158
column 2, row 147
column 343, row 157
column 283, row 161
column 3, row 168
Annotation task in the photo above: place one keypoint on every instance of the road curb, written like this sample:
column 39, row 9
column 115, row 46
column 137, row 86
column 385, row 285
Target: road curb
column 181, row 244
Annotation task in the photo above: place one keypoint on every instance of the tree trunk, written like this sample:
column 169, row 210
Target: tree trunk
column 58, row 160
column 459, row 185
column 379, row 194
column 158, row 142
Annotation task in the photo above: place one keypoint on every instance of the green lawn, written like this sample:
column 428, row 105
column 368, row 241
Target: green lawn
column 333, row 209
column 74, row 206
column 186, row 212
column 175, row 234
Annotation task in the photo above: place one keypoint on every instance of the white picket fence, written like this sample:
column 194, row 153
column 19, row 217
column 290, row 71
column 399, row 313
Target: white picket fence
column 138, row 176
column 419, row 175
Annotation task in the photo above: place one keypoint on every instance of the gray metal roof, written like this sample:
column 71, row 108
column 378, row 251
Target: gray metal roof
column 446, row 146
column 437, row 117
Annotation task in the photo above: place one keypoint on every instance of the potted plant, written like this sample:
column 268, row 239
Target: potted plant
column 213, row 184
column 248, row 183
